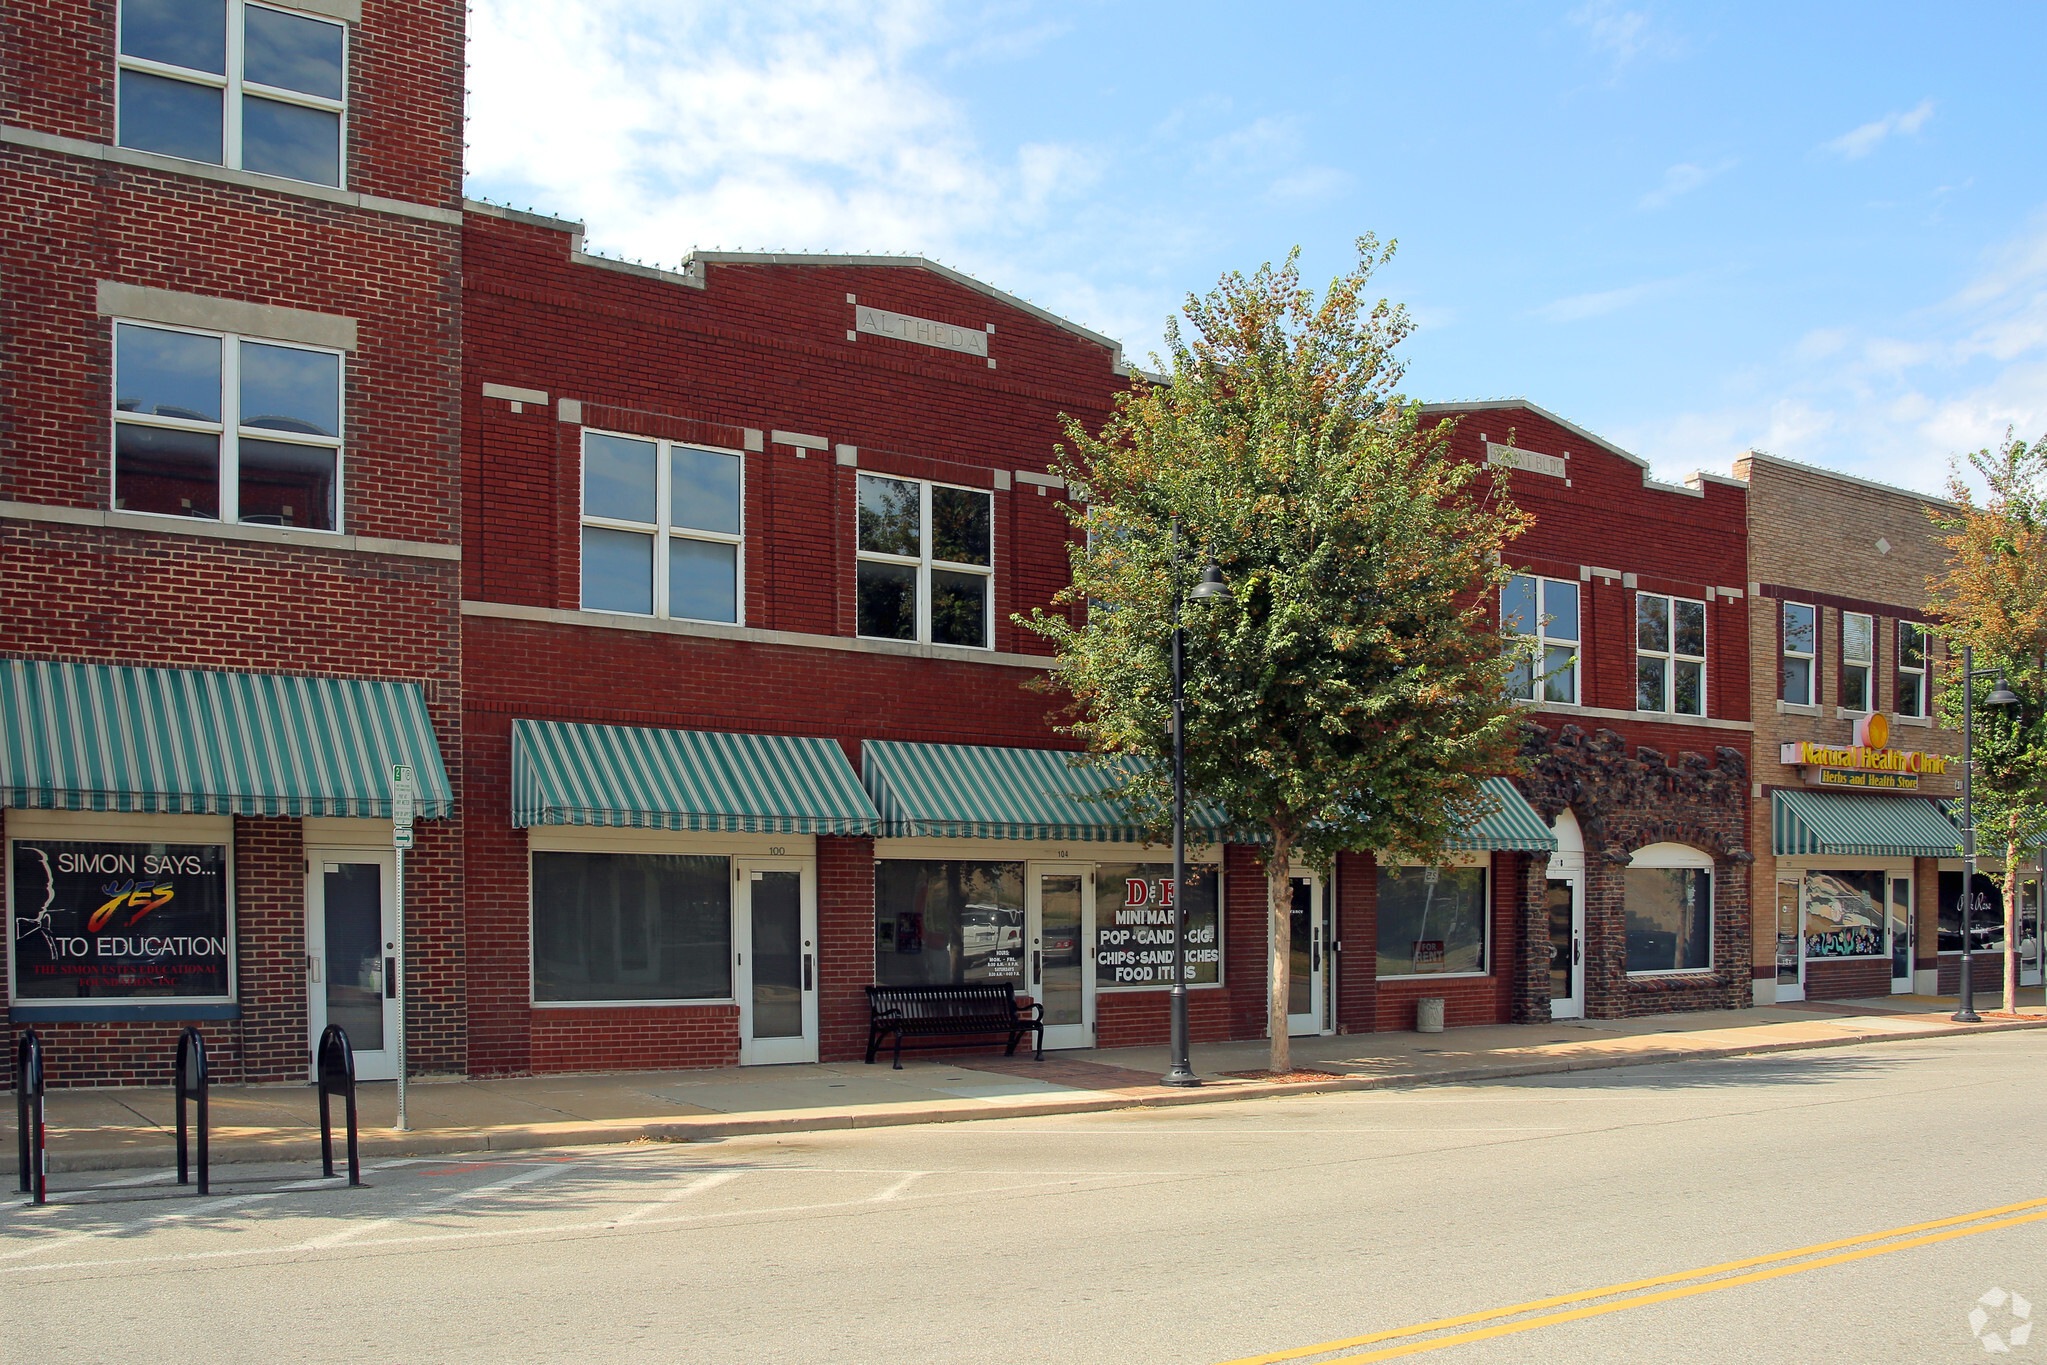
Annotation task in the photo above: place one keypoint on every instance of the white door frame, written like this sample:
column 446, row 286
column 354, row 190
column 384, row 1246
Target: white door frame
column 1572, row 1007
column 1902, row 985
column 766, row 1051
column 1788, row 993
column 1310, row 1024
column 371, row 1064
column 1062, row 1035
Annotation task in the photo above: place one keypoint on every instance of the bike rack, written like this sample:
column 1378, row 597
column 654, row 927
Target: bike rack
column 192, row 1082
column 30, row 1110
column 334, row 1072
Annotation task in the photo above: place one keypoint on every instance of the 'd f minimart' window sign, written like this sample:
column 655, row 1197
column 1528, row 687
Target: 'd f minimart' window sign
column 1134, row 925
column 97, row 920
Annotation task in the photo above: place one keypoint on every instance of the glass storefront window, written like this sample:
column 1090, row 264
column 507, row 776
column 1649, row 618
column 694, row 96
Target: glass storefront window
column 1670, row 919
column 1134, row 924
column 1986, row 927
column 1844, row 914
column 1432, row 921
column 943, row 923
column 631, row 926
column 94, row 919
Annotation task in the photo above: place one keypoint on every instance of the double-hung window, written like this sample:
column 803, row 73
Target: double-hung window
column 1670, row 654
column 235, row 84
column 1913, row 698
column 232, row 428
column 1858, row 661
column 1542, row 616
column 1798, row 682
column 661, row 528
column 926, row 559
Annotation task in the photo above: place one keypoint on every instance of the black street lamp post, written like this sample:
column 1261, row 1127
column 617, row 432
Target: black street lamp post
column 1999, row 696
column 1211, row 584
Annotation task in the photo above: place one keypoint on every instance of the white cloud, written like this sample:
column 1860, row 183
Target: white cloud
column 1623, row 34
column 1894, row 404
column 1578, row 307
column 1860, row 142
column 1681, row 179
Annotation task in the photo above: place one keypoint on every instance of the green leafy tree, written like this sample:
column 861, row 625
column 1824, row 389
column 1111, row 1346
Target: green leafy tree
column 1993, row 596
column 1348, row 691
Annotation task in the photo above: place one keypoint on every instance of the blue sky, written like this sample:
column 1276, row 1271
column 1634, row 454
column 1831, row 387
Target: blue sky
column 1820, row 230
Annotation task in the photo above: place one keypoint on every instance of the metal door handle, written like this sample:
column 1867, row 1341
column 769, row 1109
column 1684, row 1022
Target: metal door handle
column 390, row 978
column 1315, row 951
column 806, row 973
column 1037, row 967
column 312, row 966
column 1574, row 952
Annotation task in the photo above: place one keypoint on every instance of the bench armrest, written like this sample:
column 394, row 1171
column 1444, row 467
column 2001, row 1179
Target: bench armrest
column 1037, row 1009
column 892, row 1012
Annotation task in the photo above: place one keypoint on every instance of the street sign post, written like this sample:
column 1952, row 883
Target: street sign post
column 404, row 805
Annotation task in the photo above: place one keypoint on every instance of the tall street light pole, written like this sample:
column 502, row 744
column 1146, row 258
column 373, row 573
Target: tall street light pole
column 2000, row 696
column 1210, row 585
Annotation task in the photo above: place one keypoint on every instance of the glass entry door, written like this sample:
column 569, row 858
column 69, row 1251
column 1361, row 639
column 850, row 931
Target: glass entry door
column 1566, row 949
column 1790, row 943
column 775, row 962
column 1305, row 957
column 1901, row 935
column 1059, row 919
column 352, row 955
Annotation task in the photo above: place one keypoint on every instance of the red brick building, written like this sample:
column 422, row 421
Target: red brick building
column 230, row 525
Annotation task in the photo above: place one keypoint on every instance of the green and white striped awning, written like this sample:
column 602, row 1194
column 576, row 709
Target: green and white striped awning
column 1853, row 824
column 639, row 778
column 1513, row 827
column 968, row 791
column 107, row 738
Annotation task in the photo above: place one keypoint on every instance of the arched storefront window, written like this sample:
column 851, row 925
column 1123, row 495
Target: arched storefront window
column 1669, row 903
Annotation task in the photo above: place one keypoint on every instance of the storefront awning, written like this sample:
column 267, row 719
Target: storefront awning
column 638, row 778
column 105, row 738
column 1512, row 828
column 966, row 791
column 1855, row 825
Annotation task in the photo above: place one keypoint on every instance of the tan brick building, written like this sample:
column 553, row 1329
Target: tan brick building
column 1855, row 879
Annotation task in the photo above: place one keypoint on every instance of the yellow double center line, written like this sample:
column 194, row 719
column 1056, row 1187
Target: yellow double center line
column 1688, row 1284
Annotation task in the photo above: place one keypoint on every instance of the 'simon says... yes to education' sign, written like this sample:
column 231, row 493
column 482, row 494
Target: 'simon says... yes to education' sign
column 98, row 920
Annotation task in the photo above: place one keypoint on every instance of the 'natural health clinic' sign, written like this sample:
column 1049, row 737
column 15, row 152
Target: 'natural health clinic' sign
column 1866, row 764
column 96, row 920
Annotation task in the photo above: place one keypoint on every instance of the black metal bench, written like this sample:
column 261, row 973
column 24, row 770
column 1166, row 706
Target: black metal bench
column 977, row 1010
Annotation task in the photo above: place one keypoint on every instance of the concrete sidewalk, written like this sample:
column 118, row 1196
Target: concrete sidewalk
column 116, row 1129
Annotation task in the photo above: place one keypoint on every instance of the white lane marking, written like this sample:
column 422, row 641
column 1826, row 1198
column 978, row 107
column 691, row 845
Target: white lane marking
column 481, row 1234
column 207, row 1209
column 334, row 1239
column 895, row 1190
column 697, row 1186
column 164, row 1176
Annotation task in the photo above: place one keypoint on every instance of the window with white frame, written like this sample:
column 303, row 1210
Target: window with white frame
column 1858, row 661
column 662, row 528
column 926, row 558
column 237, row 84
column 1667, row 899
column 1670, row 654
column 1913, row 698
column 1542, row 615
column 231, row 428
column 1798, row 682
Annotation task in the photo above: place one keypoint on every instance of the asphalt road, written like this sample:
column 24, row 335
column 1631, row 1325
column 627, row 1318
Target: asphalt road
column 1219, row 1233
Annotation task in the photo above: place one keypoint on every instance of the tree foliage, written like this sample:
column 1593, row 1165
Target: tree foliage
column 1348, row 691
column 1993, row 597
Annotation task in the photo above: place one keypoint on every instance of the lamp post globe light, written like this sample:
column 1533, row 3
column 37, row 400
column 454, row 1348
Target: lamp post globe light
column 1211, row 585
column 2000, row 696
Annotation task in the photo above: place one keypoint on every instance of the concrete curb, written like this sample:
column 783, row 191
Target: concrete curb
column 382, row 1144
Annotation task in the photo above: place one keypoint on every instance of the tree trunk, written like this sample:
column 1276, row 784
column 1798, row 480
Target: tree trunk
column 2011, row 914
column 1280, row 935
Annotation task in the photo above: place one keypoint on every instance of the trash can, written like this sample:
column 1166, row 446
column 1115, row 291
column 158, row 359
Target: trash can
column 1428, row 1015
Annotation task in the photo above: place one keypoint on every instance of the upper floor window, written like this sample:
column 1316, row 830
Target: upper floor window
column 926, row 559
column 1670, row 654
column 1858, row 661
column 1913, row 698
column 1542, row 613
column 228, row 427
column 234, row 84
column 1800, row 655
column 661, row 528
